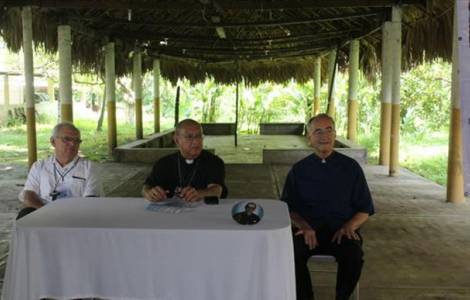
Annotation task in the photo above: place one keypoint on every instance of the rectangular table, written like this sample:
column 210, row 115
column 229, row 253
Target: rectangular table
column 115, row 249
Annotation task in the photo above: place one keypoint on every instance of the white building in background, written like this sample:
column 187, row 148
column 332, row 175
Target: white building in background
column 11, row 95
column 12, row 86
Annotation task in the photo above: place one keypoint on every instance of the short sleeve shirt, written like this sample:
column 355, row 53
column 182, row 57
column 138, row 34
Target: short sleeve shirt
column 77, row 179
column 173, row 171
column 327, row 192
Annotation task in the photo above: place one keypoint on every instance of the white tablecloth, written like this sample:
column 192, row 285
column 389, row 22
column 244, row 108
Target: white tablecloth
column 115, row 249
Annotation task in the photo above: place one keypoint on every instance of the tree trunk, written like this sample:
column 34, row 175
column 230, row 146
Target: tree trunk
column 129, row 105
column 212, row 108
column 204, row 109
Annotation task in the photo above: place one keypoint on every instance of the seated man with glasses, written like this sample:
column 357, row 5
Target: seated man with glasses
column 64, row 174
column 328, row 200
column 191, row 173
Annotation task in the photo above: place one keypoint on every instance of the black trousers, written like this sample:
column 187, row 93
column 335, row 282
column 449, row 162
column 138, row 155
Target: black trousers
column 348, row 255
column 23, row 212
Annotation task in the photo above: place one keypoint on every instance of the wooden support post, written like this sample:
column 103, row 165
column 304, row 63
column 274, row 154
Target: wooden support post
column 237, row 93
column 50, row 89
column 455, row 180
column 331, row 109
column 26, row 16
column 110, row 70
column 396, row 74
column 6, row 91
column 137, row 64
column 177, row 106
column 386, row 96
column 156, row 95
column 352, row 97
column 316, row 86
column 65, row 72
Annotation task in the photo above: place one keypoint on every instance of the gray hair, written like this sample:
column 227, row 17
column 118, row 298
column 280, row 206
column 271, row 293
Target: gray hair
column 186, row 122
column 58, row 127
column 318, row 117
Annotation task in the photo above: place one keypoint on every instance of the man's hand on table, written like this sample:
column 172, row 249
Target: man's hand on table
column 190, row 194
column 154, row 194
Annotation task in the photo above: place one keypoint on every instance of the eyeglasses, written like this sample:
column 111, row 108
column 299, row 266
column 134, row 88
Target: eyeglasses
column 192, row 137
column 69, row 139
column 328, row 131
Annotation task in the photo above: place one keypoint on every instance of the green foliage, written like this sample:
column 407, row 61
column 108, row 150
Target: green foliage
column 44, row 118
column 254, row 104
column 369, row 109
column 202, row 101
column 425, row 104
column 15, row 117
column 433, row 168
column 371, row 143
column 426, row 155
column 425, row 98
column 13, row 140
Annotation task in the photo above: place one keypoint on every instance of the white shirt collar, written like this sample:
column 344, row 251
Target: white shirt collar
column 67, row 166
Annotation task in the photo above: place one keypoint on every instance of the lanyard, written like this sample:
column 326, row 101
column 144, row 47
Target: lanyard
column 62, row 176
column 180, row 173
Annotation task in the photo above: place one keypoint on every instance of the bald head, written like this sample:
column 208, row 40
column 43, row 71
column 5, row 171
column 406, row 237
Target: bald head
column 189, row 138
column 185, row 124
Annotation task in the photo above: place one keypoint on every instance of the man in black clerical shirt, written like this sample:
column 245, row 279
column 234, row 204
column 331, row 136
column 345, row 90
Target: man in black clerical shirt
column 191, row 174
column 248, row 216
column 328, row 200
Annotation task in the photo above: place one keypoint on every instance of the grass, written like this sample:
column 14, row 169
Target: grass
column 13, row 145
column 425, row 155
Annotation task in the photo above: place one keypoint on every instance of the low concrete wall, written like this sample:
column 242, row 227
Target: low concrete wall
column 145, row 155
column 281, row 128
column 162, row 139
column 149, row 149
column 218, row 128
column 291, row 156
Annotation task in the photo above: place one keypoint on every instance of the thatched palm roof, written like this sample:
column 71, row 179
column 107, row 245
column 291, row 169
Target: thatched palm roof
column 258, row 40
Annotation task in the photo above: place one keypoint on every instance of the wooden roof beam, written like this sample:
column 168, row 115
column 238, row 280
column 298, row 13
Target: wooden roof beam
column 227, row 47
column 236, row 25
column 155, row 37
column 185, row 5
column 203, row 52
column 235, row 57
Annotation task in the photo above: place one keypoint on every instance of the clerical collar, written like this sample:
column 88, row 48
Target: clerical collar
column 189, row 161
column 326, row 159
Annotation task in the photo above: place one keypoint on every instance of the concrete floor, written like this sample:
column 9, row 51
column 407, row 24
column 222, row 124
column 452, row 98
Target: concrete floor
column 417, row 246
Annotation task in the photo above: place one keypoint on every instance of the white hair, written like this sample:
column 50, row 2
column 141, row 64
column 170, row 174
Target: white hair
column 58, row 127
